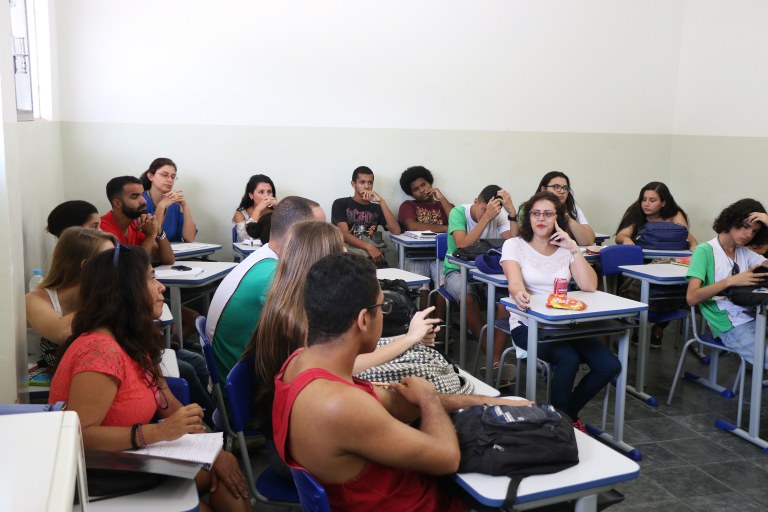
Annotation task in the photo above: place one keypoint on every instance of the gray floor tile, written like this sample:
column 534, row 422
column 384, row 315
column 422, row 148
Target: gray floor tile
column 719, row 502
column 657, row 457
column 641, row 490
column 666, row 506
column 661, row 429
column 738, row 475
column 686, row 481
column 700, row 450
column 759, row 495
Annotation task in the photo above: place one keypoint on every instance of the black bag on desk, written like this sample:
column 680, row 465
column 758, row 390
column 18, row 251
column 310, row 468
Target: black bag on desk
column 484, row 246
column 515, row 442
column 403, row 307
column 745, row 295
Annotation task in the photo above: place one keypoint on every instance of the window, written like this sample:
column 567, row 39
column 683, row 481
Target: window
column 31, row 59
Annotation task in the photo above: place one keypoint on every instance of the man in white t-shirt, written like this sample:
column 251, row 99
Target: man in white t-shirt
column 491, row 215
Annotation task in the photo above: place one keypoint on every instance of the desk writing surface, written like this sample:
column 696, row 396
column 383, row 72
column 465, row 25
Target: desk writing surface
column 410, row 278
column 598, row 304
column 598, row 466
column 656, row 271
column 210, row 270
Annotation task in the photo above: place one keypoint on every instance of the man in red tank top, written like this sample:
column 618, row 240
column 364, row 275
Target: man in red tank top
column 354, row 437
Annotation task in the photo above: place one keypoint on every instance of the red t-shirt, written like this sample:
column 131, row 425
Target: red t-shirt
column 95, row 352
column 377, row 487
column 135, row 234
column 426, row 213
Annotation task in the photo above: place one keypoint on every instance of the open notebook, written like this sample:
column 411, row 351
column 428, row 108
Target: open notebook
column 198, row 448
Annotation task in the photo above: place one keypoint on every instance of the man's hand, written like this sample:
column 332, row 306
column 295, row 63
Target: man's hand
column 493, row 209
column 148, row 225
column 416, row 390
column 746, row 278
column 506, row 202
column 370, row 195
column 422, row 328
column 376, row 255
column 436, row 194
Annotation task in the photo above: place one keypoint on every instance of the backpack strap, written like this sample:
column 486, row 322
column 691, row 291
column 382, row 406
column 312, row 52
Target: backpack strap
column 514, row 483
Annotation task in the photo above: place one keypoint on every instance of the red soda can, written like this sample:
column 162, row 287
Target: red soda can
column 561, row 286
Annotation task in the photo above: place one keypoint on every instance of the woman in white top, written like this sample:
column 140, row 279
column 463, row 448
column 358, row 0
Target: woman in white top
column 532, row 262
column 577, row 224
column 259, row 199
column 51, row 306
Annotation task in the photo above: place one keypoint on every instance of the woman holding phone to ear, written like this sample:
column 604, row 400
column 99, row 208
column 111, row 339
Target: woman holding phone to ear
column 542, row 253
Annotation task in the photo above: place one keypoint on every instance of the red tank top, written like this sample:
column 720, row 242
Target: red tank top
column 377, row 487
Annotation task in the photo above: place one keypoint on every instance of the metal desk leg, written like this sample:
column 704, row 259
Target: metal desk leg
column 463, row 318
column 401, row 256
column 586, row 504
column 490, row 331
column 642, row 351
column 176, row 311
column 753, row 435
column 533, row 350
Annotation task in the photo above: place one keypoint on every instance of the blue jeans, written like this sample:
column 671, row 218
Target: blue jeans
column 567, row 356
column 193, row 369
column 742, row 339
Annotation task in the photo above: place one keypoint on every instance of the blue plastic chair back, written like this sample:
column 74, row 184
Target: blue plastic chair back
column 311, row 494
column 179, row 388
column 29, row 408
column 441, row 245
column 207, row 350
column 242, row 385
column 234, row 234
column 615, row 255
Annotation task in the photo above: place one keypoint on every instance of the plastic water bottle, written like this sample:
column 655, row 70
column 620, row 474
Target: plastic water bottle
column 36, row 279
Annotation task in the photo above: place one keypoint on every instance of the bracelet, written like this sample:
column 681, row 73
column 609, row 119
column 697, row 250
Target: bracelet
column 142, row 442
column 161, row 236
column 575, row 251
column 134, row 428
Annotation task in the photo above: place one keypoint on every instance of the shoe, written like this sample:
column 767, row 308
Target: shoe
column 655, row 342
column 579, row 425
column 508, row 372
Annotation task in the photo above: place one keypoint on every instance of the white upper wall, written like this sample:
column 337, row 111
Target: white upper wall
column 605, row 66
column 723, row 71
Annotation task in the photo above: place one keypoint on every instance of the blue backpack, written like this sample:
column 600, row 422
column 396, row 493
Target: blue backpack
column 663, row 235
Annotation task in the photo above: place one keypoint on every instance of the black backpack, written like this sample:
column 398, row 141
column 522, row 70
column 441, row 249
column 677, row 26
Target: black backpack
column 403, row 307
column 746, row 295
column 504, row 440
column 482, row 246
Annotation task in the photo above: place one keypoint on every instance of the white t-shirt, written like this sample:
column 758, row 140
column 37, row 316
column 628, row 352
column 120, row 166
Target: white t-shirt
column 494, row 229
column 539, row 271
column 580, row 217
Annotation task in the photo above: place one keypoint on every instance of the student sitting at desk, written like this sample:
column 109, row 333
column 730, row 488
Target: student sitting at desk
column 259, row 198
column 491, row 215
column 359, row 217
column 577, row 226
column 169, row 206
column 723, row 262
column 655, row 204
column 370, row 458
column 72, row 213
column 109, row 372
column 531, row 262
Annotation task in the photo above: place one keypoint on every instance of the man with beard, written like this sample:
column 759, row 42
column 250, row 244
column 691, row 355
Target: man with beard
column 130, row 223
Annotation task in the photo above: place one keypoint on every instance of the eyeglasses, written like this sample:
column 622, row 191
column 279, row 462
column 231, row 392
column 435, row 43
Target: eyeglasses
column 160, row 400
column 386, row 306
column 547, row 214
column 116, row 255
column 559, row 188
column 165, row 176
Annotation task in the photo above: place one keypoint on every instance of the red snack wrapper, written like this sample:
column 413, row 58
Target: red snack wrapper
column 560, row 302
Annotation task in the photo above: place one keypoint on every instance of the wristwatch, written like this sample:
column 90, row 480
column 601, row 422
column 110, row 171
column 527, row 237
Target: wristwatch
column 161, row 236
column 513, row 218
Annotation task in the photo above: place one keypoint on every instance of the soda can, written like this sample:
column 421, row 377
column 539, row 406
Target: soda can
column 561, row 286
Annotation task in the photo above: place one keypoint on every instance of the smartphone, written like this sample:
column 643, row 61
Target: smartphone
column 181, row 267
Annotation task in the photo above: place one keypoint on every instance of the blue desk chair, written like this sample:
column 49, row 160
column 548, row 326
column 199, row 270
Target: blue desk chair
column 717, row 347
column 234, row 234
column 29, row 408
column 220, row 416
column 311, row 493
column 441, row 247
column 242, row 384
column 179, row 388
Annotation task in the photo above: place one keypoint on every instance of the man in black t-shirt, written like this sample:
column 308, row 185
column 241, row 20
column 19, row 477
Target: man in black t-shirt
column 358, row 217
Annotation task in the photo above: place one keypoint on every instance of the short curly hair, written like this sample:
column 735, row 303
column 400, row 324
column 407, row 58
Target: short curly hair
column 734, row 216
column 411, row 174
column 526, row 230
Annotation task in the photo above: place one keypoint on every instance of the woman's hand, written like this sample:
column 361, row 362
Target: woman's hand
column 561, row 239
column 186, row 420
column 422, row 328
column 522, row 299
column 226, row 470
column 262, row 207
column 172, row 197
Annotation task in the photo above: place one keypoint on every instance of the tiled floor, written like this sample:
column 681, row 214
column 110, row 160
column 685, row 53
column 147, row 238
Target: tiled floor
column 688, row 464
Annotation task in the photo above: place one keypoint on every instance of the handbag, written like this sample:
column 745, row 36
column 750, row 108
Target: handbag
column 663, row 235
column 420, row 361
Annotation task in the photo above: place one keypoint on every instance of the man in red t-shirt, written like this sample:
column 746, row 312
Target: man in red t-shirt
column 130, row 223
column 428, row 210
column 356, row 438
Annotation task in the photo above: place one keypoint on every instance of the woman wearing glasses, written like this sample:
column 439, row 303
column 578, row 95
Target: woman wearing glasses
column 576, row 225
column 724, row 262
column 542, row 253
column 109, row 372
column 168, row 205
column 258, row 200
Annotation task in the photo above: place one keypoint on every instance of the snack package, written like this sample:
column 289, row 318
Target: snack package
column 561, row 302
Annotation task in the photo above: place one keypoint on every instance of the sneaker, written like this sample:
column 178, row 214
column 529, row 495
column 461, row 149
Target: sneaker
column 655, row 343
column 508, row 372
column 579, row 425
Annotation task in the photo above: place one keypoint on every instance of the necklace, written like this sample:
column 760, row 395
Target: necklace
column 734, row 266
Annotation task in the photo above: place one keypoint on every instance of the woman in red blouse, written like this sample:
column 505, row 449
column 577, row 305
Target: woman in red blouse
column 109, row 371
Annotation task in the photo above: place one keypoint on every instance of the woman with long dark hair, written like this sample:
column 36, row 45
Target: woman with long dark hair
column 576, row 223
column 531, row 262
column 109, row 371
column 258, row 200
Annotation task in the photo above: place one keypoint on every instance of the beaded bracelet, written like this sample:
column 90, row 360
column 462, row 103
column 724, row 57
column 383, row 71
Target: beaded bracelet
column 134, row 428
column 142, row 442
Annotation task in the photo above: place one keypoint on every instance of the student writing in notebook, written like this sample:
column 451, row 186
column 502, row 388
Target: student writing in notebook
column 109, row 372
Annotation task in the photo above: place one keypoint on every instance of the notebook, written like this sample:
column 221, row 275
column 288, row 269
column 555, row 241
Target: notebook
column 198, row 448
column 420, row 234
